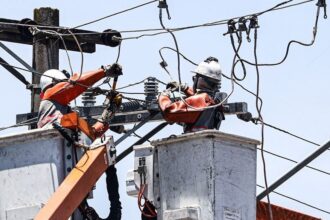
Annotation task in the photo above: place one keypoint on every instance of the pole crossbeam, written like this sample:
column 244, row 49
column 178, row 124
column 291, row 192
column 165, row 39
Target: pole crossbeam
column 19, row 32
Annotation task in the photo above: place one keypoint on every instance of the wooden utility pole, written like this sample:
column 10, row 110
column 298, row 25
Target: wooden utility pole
column 45, row 50
column 46, row 46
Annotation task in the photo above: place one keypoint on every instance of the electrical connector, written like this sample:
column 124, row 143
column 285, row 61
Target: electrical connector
column 231, row 27
column 323, row 4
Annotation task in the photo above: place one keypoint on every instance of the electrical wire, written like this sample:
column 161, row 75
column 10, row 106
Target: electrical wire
column 179, row 70
column 293, row 5
column 273, row 8
column 270, row 125
column 237, row 56
column 117, row 13
column 291, row 134
column 183, row 56
column 137, row 93
column 134, row 99
column 175, row 43
column 52, row 32
column 244, row 88
column 40, row 74
column 164, row 64
column 23, row 123
column 140, row 205
column 289, row 44
column 214, row 23
column 161, row 82
column 298, row 201
column 82, row 55
column 130, row 85
column 259, row 108
column 293, row 161
column 118, row 55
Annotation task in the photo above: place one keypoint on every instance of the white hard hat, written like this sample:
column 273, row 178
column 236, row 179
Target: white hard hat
column 51, row 77
column 209, row 68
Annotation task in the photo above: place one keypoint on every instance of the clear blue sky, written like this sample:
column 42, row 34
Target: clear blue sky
column 295, row 94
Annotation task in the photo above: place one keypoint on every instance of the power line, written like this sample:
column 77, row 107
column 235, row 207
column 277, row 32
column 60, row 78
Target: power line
column 40, row 74
column 270, row 125
column 291, row 134
column 117, row 13
column 289, row 45
column 298, row 201
column 293, row 161
column 214, row 23
column 259, row 107
column 133, row 84
column 23, row 123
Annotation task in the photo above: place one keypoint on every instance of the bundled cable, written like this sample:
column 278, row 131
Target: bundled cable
column 146, row 205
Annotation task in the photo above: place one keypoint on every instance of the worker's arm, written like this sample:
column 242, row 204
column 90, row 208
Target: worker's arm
column 100, row 128
column 179, row 111
column 65, row 92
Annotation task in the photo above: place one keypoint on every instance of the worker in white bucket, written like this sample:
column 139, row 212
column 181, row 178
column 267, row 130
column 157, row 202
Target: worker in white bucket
column 57, row 91
column 195, row 112
column 201, row 108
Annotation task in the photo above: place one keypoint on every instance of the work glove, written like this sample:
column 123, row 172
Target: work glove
column 112, row 103
column 113, row 70
column 174, row 86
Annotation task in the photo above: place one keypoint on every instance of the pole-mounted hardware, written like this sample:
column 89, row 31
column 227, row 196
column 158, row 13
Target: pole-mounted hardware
column 18, row 31
column 231, row 27
column 111, row 37
column 323, row 4
column 163, row 4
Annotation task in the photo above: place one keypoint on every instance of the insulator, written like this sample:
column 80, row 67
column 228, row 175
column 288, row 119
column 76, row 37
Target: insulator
column 130, row 106
column 88, row 98
column 111, row 38
column 151, row 88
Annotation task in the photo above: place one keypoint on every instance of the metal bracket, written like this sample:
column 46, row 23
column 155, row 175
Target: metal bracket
column 135, row 128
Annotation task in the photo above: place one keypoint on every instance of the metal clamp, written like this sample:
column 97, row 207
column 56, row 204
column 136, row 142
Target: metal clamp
column 109, row 144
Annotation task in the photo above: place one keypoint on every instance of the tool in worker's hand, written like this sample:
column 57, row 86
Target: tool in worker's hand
column 113, row 70
column 113, row 98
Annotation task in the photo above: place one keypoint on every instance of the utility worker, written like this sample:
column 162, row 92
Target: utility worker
column 57, row 91
column 204, row 93
column 191, row 111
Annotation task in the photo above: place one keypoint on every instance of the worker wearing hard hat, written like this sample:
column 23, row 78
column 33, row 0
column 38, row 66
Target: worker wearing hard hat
column 57, row 91
column 195, row 110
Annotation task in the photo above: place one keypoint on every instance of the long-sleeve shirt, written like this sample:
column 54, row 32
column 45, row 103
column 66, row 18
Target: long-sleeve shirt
column 55, row 101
